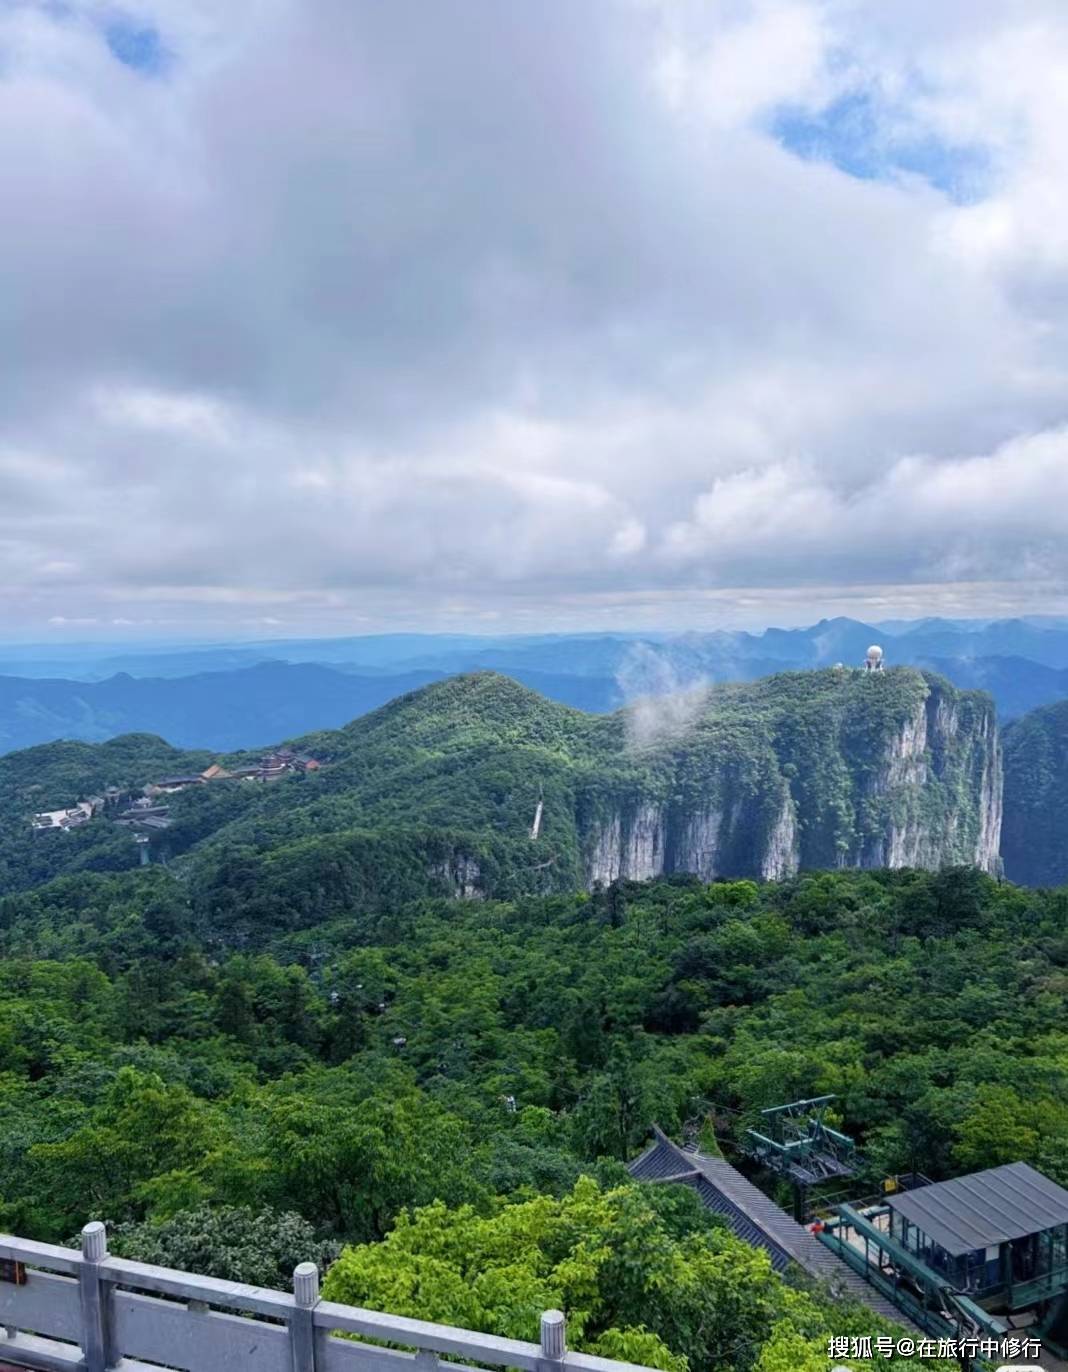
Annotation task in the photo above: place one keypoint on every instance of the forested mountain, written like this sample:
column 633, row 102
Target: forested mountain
column 58, row 775
column 287, row 1037
column 1035, row 841
column 437, row 792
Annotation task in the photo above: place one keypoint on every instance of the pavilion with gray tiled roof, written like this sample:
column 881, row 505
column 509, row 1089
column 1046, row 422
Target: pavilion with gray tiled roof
column 756, row 1218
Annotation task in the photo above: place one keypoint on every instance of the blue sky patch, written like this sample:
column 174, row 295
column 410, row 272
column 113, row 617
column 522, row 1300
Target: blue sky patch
column 849, row 134
column 137, row 46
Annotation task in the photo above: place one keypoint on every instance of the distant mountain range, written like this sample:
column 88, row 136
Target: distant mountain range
column 225, row 711
column 227, row 696
column 1043, row 641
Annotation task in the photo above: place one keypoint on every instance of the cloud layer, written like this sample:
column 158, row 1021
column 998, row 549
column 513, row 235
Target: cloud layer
column 328, row 314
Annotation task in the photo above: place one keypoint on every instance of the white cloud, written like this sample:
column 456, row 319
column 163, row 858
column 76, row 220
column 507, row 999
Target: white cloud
column 196, row 417
column 628, row 539
column 337, row 318
column 974, row 517
column 736, row 67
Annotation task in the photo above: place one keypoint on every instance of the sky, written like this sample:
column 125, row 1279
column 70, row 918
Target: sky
column 332, row 316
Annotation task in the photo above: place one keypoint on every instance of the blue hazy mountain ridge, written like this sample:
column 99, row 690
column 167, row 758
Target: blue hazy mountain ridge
column 239, row 695
column 830, row 640
column 1017, row 685
column 369, row 653
column 217, row 710
column 227, row 711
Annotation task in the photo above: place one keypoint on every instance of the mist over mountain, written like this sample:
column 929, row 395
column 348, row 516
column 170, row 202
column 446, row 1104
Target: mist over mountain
column 752, row 808
column 239, row 696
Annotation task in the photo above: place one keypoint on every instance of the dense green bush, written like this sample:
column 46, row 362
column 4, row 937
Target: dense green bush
column 260, row 1247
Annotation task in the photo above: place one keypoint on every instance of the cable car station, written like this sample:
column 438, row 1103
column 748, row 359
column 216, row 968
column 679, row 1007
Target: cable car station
column 989, row 1250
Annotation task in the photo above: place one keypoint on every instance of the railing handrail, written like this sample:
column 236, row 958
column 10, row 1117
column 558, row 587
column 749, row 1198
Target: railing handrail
column 48, row 1256
column 170, row 1281
column 99, row 1275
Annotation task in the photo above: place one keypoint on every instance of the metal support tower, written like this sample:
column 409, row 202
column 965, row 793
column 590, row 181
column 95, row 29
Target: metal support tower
column 801, row 1147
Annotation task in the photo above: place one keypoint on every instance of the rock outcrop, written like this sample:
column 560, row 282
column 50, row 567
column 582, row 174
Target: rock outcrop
column 461, row 874
column 829, row 769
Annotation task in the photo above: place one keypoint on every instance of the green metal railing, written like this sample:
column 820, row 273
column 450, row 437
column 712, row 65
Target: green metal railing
column 1041, row 1288
column 935, row 1301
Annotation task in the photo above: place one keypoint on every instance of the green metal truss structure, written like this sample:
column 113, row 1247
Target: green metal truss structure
column 800, row 1146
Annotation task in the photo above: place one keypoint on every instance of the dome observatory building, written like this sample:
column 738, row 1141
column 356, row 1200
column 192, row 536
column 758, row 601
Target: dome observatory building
column 873, row 661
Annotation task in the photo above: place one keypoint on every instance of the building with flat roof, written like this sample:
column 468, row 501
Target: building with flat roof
column 1000, row 1234
column 991, row 1248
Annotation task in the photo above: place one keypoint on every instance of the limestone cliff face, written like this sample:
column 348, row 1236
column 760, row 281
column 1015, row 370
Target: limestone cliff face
column 781, row 854
column 900, row 771
column 702, row 838
column 713, row 840
column 630, row 845
column 991, row 800
column 651, row 841
column 461, row 875
column 941, row 776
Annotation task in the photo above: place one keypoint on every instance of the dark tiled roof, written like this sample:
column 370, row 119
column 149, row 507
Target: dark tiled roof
column 663, row 1161
column 756, row 1218
column 985, row 1209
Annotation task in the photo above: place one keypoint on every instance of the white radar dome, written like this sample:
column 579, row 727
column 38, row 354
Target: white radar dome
column 875, row 653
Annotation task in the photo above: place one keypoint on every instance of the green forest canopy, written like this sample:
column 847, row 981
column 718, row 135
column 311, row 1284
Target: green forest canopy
column 341, row 1079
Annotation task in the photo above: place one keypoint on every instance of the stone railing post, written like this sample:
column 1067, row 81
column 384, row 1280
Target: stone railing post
column 553, row 1338
column 95, row 1296
column 302, row 1325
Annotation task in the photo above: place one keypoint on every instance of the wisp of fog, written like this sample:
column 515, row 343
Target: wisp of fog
column 663, row 703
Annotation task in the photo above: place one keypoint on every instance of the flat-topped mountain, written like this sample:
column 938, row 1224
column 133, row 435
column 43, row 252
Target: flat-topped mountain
column 801, row 770
column 813, row 769
column 479, row 786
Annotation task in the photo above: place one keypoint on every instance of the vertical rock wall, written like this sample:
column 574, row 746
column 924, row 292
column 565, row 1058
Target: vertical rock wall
column 919, row 786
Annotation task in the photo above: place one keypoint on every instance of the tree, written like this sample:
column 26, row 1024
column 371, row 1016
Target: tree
column 142, row 1130
column 997, row 1129
column 704, row 1298
column 235, row 1243
column 353, row 1170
